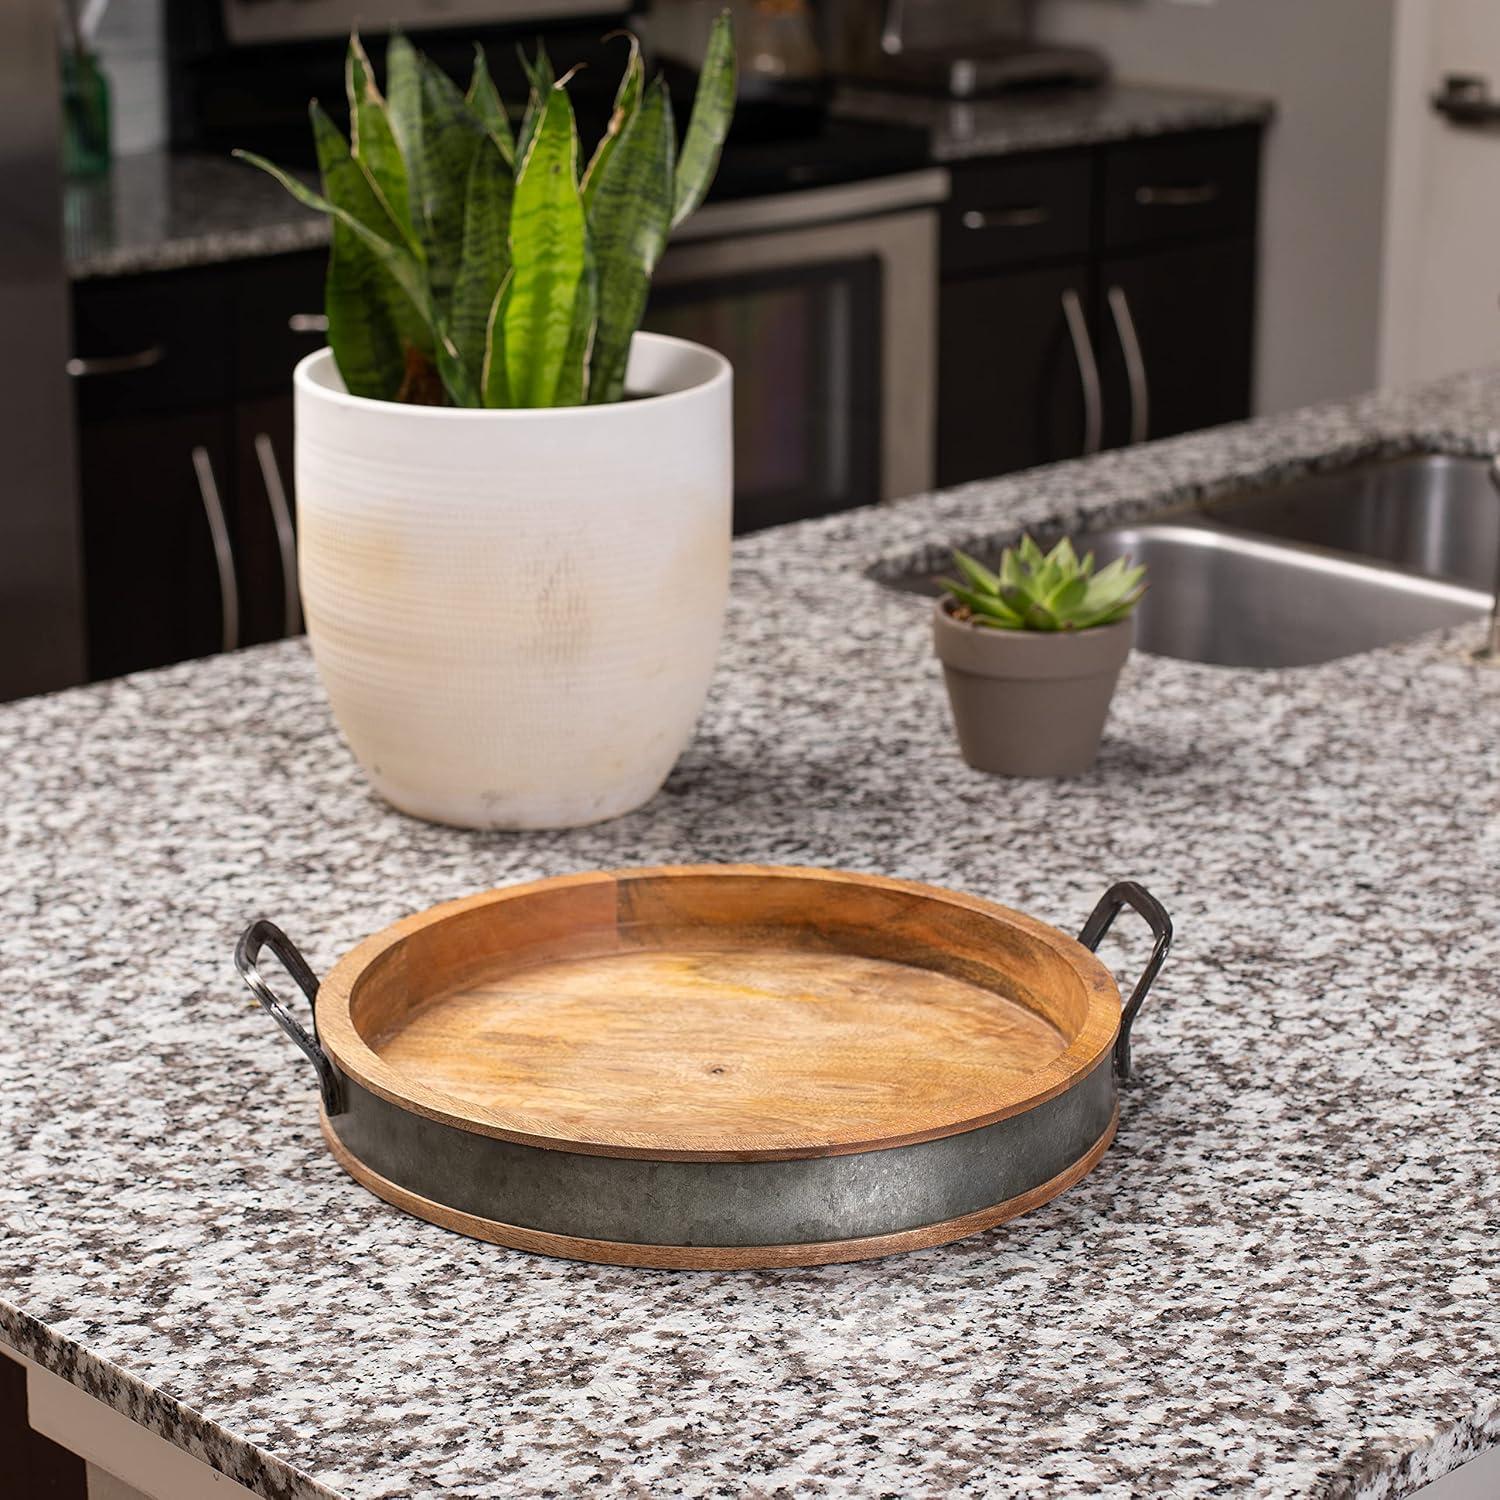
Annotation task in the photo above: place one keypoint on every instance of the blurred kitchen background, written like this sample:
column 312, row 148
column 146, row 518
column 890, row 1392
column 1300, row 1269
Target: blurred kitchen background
column 950, row 239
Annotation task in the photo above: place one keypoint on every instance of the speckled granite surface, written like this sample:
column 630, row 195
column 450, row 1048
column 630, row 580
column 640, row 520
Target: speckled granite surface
column 1281, row 1281
column 156, row 211
column 160, row 212
column 1047, row 120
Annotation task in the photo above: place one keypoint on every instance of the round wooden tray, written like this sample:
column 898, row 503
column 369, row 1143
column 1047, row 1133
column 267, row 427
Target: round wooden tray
column 718, row 1066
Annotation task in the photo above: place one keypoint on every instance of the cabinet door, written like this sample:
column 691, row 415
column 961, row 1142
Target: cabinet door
column 265, row 519
column 34, row 1466
column 1177, row 340
column 152, row 571
column 1018, row 381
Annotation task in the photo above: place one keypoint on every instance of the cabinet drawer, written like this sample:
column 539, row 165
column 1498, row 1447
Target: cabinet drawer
column 1010, row 212
column 278, row 307
column 150, row 343
column 1181, row 187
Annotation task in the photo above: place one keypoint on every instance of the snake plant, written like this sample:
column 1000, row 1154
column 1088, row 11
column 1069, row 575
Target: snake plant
column 1052, row 591
column 474, row 265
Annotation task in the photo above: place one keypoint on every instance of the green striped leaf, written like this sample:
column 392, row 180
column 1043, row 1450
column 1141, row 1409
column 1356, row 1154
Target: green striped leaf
column 362, row 332
column 403, row 89
column 542, row 79
column 713, row 108
column 450, row 138
column 573, row 382
column 395, row 259
column 372, row 142
column 365, row 306
column 483, row 99
column 437, row 134
column 539, row 71
column 459, row 381
column 627, row 99
column 547, row 251
column 494, row 381
column 629, row 220
column 485, row 259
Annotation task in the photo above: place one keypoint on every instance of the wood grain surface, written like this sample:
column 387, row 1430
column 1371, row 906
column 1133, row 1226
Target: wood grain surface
column 712, row 1257
column 720, row 1012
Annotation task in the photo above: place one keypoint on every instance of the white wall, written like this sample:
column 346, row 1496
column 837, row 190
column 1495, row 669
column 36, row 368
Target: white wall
column 1442, row 273
column 1327, row 63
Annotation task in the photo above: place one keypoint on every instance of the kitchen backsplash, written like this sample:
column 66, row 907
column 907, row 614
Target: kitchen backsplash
column 131, row 43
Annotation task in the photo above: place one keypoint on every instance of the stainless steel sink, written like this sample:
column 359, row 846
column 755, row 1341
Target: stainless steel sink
column 1429, row 513
column 1324, row 566
column 1236, row 601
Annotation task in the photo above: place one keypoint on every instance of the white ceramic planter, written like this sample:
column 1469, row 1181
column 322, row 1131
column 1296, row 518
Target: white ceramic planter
column 515, row 614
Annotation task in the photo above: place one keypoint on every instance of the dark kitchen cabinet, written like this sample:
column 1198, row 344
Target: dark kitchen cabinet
column 30, row 1464
column 1154, row 243
column 153, row 584
column 1175, row 354
column 265, row 520
column 1022, row 399
column 185, row 417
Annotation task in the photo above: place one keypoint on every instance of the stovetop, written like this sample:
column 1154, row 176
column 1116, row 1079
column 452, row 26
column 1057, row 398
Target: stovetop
column 839, row 150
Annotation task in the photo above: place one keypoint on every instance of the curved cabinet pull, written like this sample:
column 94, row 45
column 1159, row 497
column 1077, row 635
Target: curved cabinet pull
column 1135, row 365
column 307, row 323
column 218, row 527
column 893, row 28
column 286, row 537
column 1177, row 197
column 1088, row 372
column 115, row 364
column 1022, row 216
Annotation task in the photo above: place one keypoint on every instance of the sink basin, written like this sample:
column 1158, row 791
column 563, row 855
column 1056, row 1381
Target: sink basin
column 1432, row 514
column 1231, row 600
column 1235, row 601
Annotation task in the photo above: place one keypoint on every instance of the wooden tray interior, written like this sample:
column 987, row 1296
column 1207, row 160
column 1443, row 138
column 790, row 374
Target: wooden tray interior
column 726, row 1012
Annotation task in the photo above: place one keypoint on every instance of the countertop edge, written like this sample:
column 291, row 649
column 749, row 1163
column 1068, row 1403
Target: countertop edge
column 227, row 1453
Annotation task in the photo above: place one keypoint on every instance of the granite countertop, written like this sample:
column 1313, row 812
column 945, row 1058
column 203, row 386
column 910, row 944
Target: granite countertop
column 1049, row 119
column 1281, row 1281
column 160, row 211
column 157, row 211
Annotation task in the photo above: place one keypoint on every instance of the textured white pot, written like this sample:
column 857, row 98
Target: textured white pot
column 515, row 614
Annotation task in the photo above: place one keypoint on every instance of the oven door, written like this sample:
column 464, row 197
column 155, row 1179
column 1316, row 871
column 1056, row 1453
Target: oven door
column 825, row 304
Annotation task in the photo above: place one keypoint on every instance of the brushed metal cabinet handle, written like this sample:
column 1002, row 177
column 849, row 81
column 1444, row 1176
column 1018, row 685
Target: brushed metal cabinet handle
column 1023, row 216
column 308, row 323
column 1177, row 197
column 893, row 28
column 218, row 528
column 286, row 537
column 1135, row 365
column 115, row 364
column 1088, row 372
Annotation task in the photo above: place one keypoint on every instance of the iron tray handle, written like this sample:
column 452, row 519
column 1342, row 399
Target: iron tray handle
column 1114, row 900
column 263, row 934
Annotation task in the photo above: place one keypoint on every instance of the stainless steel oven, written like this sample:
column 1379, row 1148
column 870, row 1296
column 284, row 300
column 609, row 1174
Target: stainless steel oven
column 825, row 302
column 251, row 21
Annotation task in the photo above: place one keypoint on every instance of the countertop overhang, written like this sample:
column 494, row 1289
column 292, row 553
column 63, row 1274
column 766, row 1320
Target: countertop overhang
column 1281, row 1281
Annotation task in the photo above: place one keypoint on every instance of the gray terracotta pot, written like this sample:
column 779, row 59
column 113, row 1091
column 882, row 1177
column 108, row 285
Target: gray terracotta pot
column 1029, row 702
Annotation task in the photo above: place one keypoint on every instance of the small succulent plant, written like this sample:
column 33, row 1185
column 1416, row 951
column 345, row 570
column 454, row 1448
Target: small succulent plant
column 1045, row 591
column 474, row 265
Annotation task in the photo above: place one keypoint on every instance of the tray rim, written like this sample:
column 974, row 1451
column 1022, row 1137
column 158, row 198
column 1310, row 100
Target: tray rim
column 353, row 1055
column 771, row 1257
